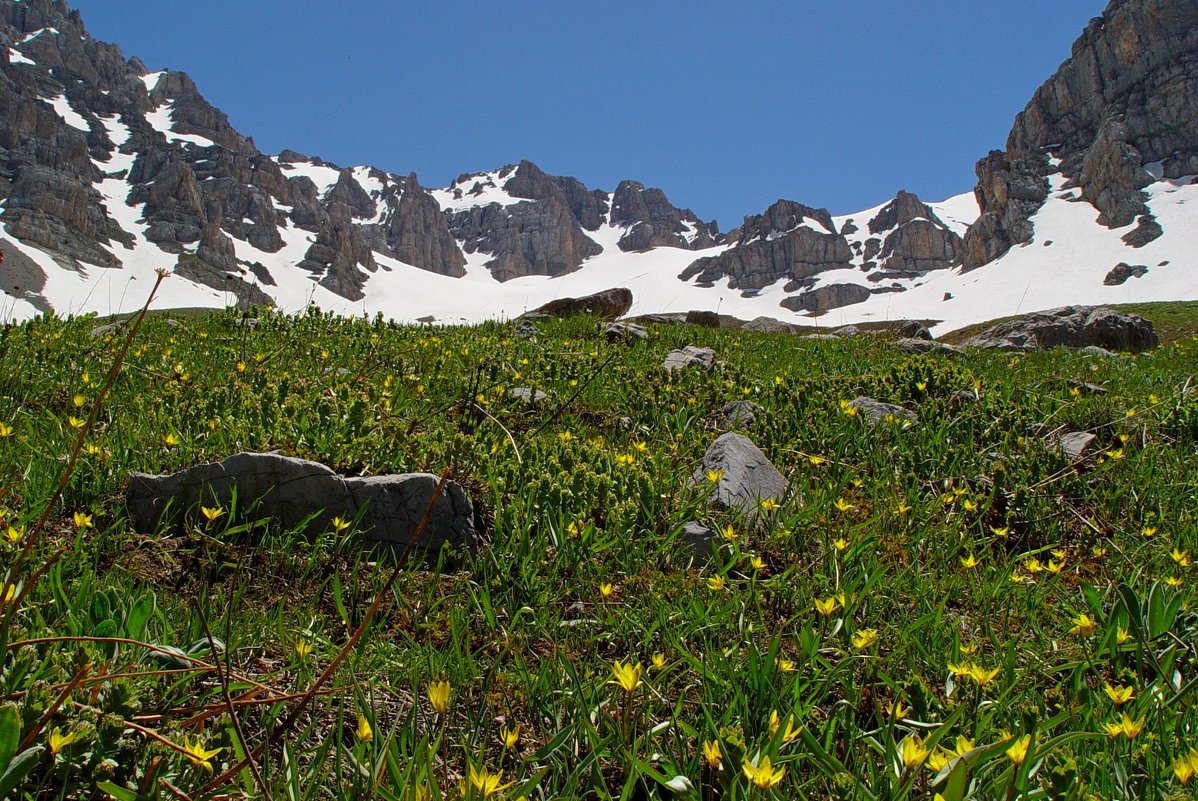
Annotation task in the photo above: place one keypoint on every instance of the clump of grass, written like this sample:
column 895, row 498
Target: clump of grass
column 950, row 607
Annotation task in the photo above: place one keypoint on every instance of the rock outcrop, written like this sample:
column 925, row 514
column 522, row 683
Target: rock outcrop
column 1070, row 327
column 652, row 221
column 1124, row 99
column 609, row 304
column 743, row 475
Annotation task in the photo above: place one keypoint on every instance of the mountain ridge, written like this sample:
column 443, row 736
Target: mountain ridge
column 111, row 171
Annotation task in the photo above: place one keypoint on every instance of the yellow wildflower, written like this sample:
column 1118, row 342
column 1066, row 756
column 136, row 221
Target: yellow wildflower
column 844, row 505
column 1001, row 531
column 198, row 755
column 1182, row 558
column 627, row 676
column 763, row 774
column 840, row 544
column 912, row 751
column 303, row 648
column 1119, row 694
column 1183, row 769
column 659, row 661
column 711, row 752
column 785, row 665
column 363, row 733
column 605, row 589
column 339, row 524
column 83, row 521
column 728, row 532
column 816, row 460
column 59, row 741
column 75, row 422
column 1125, row 727
column 487, row 783
column 769, row 505
column 171, row 440
column 716, row 583
column 212, row 513
column 969, row 562
column 510, row 736
column 864, row 638
column 1122, row 636
column 1017, row 753
column 438, row 696
column 897, row 711
column 5, row 430
column 1083, row 626
column 714, row 476
column 757, row 562
column 826, row 607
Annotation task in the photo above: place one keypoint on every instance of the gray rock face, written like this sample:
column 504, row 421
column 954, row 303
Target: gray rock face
column 916, row 239
column 543, row 235
column 877, row 412
column 690, row 356
column 746, row 476
column 625, row 332
column 1070, row 327
column 653, row 221
column 768, row 325
column 289, row 491
column 827, row 297
column 1074, row 445
column 738, row 414
column 1123, row 271
column 1123, row 99
column 608, row 304
column 914, row 345
column 790, row 241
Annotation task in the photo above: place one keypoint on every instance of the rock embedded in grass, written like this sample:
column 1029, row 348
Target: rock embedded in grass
column 297, row 494
column 738, row 414
column 917, row 345
column 610, row 304
column 625, row 332
column 701, row 539
column 527, row 394
column 1070, row 327
column 876, row 411
column 1075, row 444
column 690, row 356
column 746, row 477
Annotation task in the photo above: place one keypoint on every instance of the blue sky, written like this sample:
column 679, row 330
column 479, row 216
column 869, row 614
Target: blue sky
column 726, row 106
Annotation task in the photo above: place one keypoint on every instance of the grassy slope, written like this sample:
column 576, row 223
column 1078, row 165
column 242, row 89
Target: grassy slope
column 523, row 633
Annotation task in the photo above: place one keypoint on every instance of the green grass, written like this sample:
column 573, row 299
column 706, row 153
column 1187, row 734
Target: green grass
column 587, row 489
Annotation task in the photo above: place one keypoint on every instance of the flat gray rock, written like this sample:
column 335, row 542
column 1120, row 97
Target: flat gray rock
column 876, row 411
column 917, row 345
column 746, row 476
column 690, row 356
column 527, row 394
column 1075, row 444
column 294, row 492
column 1070, row 327
column 625, row 332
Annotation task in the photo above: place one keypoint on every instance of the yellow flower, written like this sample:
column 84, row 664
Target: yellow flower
column 921, row 385
column 659, row 661
column 897, row 711
column 212, row 513
column 1055, row 567
column 844, row 505
column 970, row 505
column 840, row 544
column 438, row 696
column 785, row 665
column 171, row 441
column 241, row 367
column 76, row 423
column 969, row 562
column 627, row 676
column 1083, row 626
column 605, row 589
column 59, row 741
column 816, row 460
column 902, row 509
column 757, row 562
column 1033, row 565
column 339, row 524
column 640, row 447
column 912, row 751
column 1126, row 727
column 15, row 534
column 968, row 648
column 963, row 745
column 982, row 676
column 1182, row 558
column 769, row 505
column 1173, row 581
column 303, row 648
column 83, row 521
column 728, row 532
column 1120, row 695
column 1017, row 753
column 763, row 775
column 5, row 430
column 565, row 436
column 1001, row 531
column 363, row 733
column 826, row 607
column 197, row 754
column 1183, row 769
column 487, row 783
column 711, row 752
column 510, row 736
column 716, row 583
column 938, row 759
column 625, row 459
column 864, row 638
column 1148, row 531
column 714, row 476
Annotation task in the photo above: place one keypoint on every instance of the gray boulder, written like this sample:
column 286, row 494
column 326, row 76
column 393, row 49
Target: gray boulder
column 625, row 332
column 876, row 411
column 827, row 297
column 738, row 414
column 768, row 325
column 1071, row 327
column 1074, row 445
column 909, row 345
column 1123, row 271
column 702, row 540
column 294, row 492
column 746, row 476
column 690, row 356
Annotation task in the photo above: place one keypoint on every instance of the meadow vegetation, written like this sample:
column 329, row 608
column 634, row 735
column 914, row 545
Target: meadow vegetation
column 950, row 608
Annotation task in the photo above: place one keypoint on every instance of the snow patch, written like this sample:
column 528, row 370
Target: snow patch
column 323, row 176
column 15, row 57
column 71, row 117
column 36, row 34
column 162, row 120
column 151, row 80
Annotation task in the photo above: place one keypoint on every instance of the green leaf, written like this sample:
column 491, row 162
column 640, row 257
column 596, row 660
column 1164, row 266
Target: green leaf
column 18, row 768
column 117, row 792
column 10, row 733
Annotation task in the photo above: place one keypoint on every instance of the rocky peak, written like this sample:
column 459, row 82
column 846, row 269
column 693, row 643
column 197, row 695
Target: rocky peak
column 530, row 182
column 903, row 209
column 653, row 221
column 1123, row 99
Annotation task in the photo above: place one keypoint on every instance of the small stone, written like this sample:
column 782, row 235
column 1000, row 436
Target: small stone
column 1075, row 444
column 876, row 411
column 702, row 540
column 625, row 332
column 739, row 414
column 746, row 476
column 927, row 346
column 527, row 394
column 690, row 356
column 526, row 329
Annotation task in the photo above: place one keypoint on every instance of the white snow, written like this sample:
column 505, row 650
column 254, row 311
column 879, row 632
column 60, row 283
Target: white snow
column 151, row 80
column 490, row 184
column 161, row 119
column 37, row 33
column 323, row 176
column 15, row 57
column 62, row 107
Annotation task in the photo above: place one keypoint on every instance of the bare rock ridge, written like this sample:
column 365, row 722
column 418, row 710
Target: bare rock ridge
column 1126, row 98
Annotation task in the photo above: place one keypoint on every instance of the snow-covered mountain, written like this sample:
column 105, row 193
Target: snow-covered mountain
column 109, row 172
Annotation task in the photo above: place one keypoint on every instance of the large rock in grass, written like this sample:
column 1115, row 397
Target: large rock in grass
column 690, row 356
column 304, row 495
column 1070, row 327
column 877, row 412
column 746, row 476
column 609, row 304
